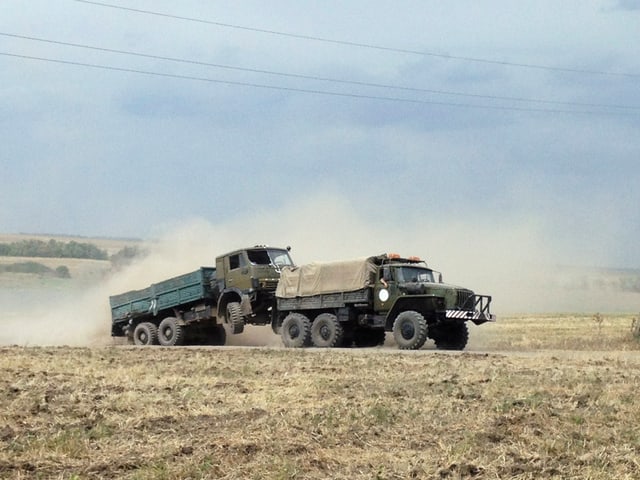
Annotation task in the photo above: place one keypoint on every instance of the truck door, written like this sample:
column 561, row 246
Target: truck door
column 237, row 271
column 383, row 291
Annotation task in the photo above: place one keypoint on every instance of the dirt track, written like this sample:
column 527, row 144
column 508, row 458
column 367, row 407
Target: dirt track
column 247, row 412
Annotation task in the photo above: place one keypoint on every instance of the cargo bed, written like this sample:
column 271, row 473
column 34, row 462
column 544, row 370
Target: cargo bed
column 168, row 294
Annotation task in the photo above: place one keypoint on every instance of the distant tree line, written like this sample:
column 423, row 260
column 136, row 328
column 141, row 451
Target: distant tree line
column 37, row 268
column 126, row 255
column 52, row 249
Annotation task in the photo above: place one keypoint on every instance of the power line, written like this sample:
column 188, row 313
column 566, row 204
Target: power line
column 320, row 78
column 309, row 91
column 364, row 45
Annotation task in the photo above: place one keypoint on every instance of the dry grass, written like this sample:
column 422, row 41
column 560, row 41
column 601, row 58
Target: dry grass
column 154, row 413
column 584, row 332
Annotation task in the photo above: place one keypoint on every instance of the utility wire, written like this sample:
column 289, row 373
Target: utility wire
column 364, row 45
column 319, row 78
column 310, row 91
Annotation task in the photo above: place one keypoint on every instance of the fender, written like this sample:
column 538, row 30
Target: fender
column 429, row 306
column 233, row 295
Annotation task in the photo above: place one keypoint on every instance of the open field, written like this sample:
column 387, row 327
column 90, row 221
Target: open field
column 79, row 269
column 561, row 404
column 571, row 332
column 82, row 270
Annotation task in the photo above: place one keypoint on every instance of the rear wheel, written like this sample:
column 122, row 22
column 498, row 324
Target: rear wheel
column 296, row 331
column 145, row 333
column 170, row 333
column 453, row 336
column 235, row 318
column 410, row 330
column 326, row 331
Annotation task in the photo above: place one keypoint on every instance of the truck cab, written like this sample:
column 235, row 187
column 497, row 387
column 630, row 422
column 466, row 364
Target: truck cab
column 401, row 280
column 245, row 284
column 396, row 279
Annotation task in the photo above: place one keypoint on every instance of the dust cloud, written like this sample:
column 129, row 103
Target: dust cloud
column 514, row 262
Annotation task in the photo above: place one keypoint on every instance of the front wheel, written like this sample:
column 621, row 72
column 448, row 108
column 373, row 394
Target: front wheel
column 235, row 318
column 410, row 330
column 296, row 331
column 326, row 331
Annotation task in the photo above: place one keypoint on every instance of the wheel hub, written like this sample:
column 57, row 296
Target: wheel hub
column 294, row 331
column 407, row 330
column 325, row 332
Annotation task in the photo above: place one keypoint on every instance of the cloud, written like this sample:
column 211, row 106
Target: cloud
column 629, row 5
column 110, row 153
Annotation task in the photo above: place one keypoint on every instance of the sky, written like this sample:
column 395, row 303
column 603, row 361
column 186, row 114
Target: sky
column 497, row 130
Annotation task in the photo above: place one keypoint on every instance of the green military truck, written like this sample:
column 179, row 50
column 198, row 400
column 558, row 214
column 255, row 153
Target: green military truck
column 195, row 306
column 356, row 302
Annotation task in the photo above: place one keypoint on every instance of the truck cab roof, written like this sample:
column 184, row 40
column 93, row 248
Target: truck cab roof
column 395, row 259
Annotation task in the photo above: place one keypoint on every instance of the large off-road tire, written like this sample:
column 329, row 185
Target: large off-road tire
column 145, row 333
column 453, row 336
column 296, row 331
column 369, row 337
column 170, row 333
column 410, row 330
column 235, row 317
column 326, row 331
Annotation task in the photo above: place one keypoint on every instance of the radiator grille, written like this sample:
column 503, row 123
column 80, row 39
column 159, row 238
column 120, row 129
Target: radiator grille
column 269, row 284
column 465, row 300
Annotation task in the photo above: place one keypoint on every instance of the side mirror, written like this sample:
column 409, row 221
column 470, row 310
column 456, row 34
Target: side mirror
column 439, row 278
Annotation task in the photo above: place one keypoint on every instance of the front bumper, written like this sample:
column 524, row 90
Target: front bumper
column 475, row 316
column 478, row 313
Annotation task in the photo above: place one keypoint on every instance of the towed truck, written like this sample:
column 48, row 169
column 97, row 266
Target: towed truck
column 355, row 302
column 194, row 307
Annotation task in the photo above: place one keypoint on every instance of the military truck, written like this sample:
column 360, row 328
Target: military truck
column 195, row 306
column 356, row 302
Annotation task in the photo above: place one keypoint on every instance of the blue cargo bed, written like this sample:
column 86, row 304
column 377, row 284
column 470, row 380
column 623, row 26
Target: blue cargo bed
column 172, row 293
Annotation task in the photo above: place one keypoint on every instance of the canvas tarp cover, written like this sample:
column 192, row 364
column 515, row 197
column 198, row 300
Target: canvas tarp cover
column 317, row 278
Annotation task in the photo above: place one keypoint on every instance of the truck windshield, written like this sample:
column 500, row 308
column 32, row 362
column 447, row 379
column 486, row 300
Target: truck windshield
column 279, row 258
column 414, row 274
